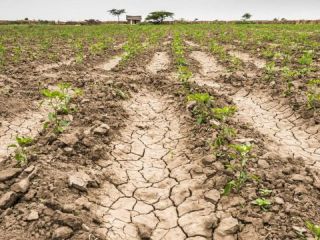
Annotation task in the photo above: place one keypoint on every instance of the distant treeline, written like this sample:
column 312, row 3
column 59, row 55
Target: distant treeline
column 96, row 22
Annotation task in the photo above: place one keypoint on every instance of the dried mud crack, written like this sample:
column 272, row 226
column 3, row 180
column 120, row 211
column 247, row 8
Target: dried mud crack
column 27, row 123
column 285, row 130
column 154, row 190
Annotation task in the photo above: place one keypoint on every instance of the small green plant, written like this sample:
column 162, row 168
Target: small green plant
column 184, row 74
column 223, row 113
column 241, row 154
column 224, row 136
column 59, row 102
column 2, row 54
column 132, row 48
column 288, row 76
column 202, row 98
column 263, row 203
column 270, row 70
column 313, row 95
column 203, row 104
column 306, row 58
column 20, row 152
column 265, row 192
column 314, row 229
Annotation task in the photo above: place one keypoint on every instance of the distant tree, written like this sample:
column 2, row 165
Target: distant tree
column 117, row 12
column 159, row 16
column 246, row 16
column 26, row 19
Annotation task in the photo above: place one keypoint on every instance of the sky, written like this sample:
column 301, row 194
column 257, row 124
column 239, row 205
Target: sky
column 77, row 10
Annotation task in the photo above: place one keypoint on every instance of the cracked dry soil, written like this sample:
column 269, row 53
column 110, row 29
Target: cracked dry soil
column 154, row 186
column 27, row 123
column 287, row 132
column 154, row 190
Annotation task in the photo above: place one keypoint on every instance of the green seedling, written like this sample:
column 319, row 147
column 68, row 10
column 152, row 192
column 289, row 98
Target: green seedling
column 98, row 48
column 313, row 94
column 224, row 136
column 265, row 192
column 132, row 48
column 2, row 54
column 306, row 58
column 263, row 203
column 202, row 98
column 288, row 76
column 270, row 70
column 59, row 101
column 314, row 229
column 184, row 74
column 223, row 113
column 241, row 154
column 20, row 152
column 203, row 103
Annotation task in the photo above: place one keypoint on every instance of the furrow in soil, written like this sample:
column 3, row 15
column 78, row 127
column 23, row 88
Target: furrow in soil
column 154, row 191
column 286, row 130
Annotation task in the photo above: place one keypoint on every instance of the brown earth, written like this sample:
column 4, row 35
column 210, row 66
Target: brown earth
column 135, row 165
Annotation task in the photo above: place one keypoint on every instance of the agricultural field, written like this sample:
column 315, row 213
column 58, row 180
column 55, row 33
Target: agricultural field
column 175, row 132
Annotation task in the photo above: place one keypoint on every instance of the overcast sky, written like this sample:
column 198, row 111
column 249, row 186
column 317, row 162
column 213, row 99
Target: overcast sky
column 187, row 9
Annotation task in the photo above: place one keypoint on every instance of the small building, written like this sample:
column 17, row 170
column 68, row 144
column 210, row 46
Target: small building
column 134, row 19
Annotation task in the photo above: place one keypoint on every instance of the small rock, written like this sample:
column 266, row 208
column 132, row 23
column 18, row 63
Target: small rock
column 9, row 173
column 69, row 139
column 8, row 200
column 62, row 233
column 70, row 220
column 208, row 160
column 29, row 169
column 21, row 186
column 85, row 228
column 244, row 140
column 102, row 129
column 214, row 122
column 30, row 195
column 33, row 215
column 263, row 164
column 79, row 181
column 301, row 178
column 212, row 196
column 191, row 105
column 68, row 150
column 68, row 208
column 272, row 84
column 299, row 229
column 279, row 200
column 228, row 226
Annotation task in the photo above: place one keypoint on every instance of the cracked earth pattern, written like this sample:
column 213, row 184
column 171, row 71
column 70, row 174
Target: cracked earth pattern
column 283, row 126
column 154, row 188
column 159, row 62
column 245, row 57
column 27, row 123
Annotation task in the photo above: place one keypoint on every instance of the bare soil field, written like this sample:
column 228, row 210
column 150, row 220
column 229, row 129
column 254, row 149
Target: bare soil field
column 159, row 132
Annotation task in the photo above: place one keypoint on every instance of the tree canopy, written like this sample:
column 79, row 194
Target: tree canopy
column 246, row 16
column 159, row 16
column 117, row 12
